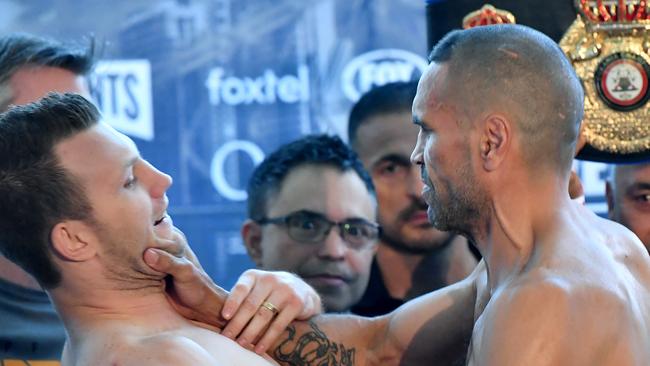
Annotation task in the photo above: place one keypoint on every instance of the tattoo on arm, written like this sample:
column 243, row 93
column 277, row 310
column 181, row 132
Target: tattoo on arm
column 312, row 348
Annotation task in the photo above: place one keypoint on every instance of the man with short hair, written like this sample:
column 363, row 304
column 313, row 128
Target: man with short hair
column 628, row 198
column 413, row 258
column 30, row 67
column 311, row 209
column 499, row 110
column 78, row 208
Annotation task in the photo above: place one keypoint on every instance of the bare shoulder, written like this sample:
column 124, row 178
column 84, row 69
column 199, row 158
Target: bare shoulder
column 552, row 320
column 164, row 349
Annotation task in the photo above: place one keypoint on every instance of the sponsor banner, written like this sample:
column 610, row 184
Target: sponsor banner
column 268, row 88
column 121, row 90
column 379, row 67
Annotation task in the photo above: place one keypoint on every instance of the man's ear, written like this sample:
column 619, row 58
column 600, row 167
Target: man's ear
column 74, row 240
column 495, row 141
column 251, row 233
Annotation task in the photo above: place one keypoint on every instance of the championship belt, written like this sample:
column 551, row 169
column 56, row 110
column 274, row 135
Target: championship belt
column 608, row 46
column 487, row 15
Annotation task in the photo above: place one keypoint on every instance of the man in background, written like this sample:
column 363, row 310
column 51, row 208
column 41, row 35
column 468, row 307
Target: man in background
column 30, row 67
column 311, row 209
column 628, row 198
column 413, row 258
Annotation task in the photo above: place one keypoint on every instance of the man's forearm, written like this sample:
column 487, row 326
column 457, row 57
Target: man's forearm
column 333, row 340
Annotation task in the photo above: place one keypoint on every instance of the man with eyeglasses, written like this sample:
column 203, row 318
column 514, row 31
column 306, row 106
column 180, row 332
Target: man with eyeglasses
column 311, row 209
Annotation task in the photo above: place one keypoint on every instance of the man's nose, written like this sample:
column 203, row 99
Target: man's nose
column 159, row 181
column 333, row 247
column 416, row 155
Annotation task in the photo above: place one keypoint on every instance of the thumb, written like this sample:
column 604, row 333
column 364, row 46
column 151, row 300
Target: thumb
column 164, row 262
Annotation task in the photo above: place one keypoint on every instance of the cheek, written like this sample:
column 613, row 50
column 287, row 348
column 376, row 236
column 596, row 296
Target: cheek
column 637, row 221
column 359, row 261
column 390, row 199
column 281, row 254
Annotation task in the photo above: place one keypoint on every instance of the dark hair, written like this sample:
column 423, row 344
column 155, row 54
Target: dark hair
column 315, row 149
column 389, row 98
column 19, row 49
column 525, row 73
column 35, row 190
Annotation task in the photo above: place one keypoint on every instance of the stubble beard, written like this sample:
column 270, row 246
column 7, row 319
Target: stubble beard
column 120, row 266
column 461, row 208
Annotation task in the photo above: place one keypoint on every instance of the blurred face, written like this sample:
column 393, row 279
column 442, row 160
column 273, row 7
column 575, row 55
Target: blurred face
column 338, row 272
column 30, row 84
column 629, row 200
column 384, row 144
column 127, row 194
column 443, row 153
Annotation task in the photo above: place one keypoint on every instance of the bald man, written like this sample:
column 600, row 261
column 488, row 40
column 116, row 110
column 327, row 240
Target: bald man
column 628, row 198
column 499, row 110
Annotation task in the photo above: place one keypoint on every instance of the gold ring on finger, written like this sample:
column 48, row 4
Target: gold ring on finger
column 269, row 306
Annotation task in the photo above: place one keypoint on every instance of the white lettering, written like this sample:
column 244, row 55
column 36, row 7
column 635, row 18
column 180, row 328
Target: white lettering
column 217, row 168
column 121, row 89
column 266, row 89
column 379, row 67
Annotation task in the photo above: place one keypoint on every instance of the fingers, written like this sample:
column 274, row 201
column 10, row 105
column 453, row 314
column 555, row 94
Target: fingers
column 289, row 310
column 238, row 294
column 312, row 307
column 251, row 295
column 254, row 320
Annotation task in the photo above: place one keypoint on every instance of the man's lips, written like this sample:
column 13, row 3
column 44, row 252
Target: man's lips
column 163, row 227
column 419, row 217
column 320, row 280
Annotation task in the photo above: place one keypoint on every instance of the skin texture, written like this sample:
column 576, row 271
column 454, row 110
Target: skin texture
column 414, row 257
column 337, row 272
column 628, row 199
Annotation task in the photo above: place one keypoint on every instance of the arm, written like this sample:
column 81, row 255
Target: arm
column 435, row 327
column 239, row 314
column 432, row 329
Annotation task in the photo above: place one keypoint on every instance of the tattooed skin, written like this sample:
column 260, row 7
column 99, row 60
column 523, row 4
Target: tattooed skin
column 312, row 348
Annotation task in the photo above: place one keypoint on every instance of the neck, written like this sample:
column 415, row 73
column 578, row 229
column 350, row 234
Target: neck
column 518, row 226
column 11, row 272
column 408, row 275
column 99, row 308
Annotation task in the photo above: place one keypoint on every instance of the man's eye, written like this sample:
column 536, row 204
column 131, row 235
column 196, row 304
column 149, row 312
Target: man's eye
column 388, row 168
column 131, row 182
column 643, row 197
column 304, row 223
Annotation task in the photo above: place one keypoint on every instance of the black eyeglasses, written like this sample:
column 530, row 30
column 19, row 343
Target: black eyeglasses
column 312, row 227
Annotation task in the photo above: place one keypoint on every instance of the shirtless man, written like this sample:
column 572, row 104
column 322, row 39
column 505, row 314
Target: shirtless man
column 499, row 110
column 84, row 206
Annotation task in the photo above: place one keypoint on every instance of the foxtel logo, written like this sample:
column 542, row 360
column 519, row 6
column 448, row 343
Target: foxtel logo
column 268, row 88
column 379, row 67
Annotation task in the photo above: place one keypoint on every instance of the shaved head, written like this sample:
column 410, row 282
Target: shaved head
column 522, row 74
